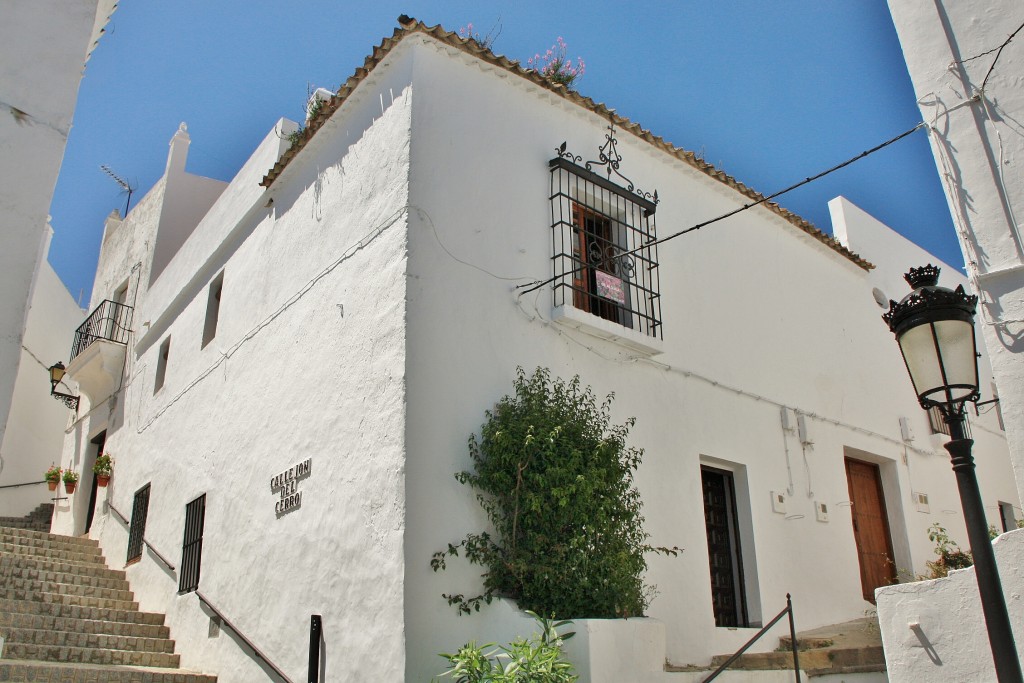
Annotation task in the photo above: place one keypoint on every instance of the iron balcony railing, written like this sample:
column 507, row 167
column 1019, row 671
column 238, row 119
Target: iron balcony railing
column 111, row 321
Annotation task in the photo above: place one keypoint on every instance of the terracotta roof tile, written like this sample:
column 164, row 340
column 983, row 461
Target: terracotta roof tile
column 411, row 26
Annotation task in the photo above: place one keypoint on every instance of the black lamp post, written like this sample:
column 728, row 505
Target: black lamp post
column 57, row 371
column 935, row 330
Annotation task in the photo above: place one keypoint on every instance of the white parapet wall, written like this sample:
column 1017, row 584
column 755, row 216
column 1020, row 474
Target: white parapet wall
column 934, row 630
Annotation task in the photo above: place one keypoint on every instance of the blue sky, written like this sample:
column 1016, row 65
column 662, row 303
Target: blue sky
column 769, row 92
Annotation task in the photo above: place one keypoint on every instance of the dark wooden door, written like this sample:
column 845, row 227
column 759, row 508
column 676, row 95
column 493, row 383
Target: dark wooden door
column 727, row 595
column 870, row 527
column 99, row 441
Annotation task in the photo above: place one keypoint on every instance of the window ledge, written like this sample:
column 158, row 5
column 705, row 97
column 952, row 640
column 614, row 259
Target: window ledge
column 572, row 317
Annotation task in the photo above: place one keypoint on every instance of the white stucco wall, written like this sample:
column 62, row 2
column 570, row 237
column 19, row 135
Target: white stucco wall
column 894, row 255
column 951, row 52
column 934, row 630
column 289, row 376
column 43, row 47
column 751, row 303
column 189, row 198
column 34, row 436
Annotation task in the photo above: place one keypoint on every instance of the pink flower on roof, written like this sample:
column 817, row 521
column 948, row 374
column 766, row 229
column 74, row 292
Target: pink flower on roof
column 556, row 66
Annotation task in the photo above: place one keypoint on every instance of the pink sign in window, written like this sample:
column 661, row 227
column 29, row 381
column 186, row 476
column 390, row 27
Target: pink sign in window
column 610, row 287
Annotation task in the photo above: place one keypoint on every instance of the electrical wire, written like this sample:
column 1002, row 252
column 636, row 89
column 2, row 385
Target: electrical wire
column 998, row 55
column 537, row 285
column 351, row 251
column 422, row 213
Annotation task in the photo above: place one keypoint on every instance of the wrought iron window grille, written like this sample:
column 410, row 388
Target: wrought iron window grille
column 599, row 232
column 110, row 320
column 137, row 529
column 192, row 545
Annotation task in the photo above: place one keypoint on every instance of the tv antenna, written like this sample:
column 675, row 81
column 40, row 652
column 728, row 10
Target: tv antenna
column 122, row 182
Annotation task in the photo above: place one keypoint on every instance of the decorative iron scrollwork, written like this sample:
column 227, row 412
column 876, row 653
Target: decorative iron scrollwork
column 562, row 154
column 70, row 401
column 612, row 259
column 609, row 157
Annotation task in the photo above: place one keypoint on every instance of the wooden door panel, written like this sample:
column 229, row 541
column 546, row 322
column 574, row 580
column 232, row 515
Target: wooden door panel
column 727, row 597
column 870, row 527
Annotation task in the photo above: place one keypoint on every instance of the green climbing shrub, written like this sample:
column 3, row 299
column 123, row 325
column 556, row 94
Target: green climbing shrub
column 555, row 478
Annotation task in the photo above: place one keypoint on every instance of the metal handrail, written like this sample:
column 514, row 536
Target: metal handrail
column 255, row 650
column 27, row 483
column 792, row 635
column 144, row 541
column 110, row 320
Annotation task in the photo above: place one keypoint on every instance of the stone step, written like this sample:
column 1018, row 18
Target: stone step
column 10, row 621
column 57, row 565
column 52, row 672
column 85, row 655
column 19, row 550
column 32, row 537
column 79, row 612
column 88, row 640
column 12, row 574
column 22, row 523
column 65, row 587
column 815, row 662
column 63, row 599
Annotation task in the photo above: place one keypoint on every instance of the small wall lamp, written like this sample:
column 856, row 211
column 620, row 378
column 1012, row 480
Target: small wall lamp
column 57, row 372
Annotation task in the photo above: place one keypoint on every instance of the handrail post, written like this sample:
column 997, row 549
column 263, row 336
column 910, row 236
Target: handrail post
column 792, row 637
column 315, row 635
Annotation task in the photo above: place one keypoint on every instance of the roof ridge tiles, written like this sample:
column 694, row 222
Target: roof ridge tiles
column 409, row 26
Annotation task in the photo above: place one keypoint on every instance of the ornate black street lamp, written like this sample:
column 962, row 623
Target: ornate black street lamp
column 57, row 371
column 935, row 330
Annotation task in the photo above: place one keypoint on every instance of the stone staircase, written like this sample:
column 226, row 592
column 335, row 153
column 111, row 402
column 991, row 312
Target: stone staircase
column 37, row 520
column 66, row 618
column 852, row 650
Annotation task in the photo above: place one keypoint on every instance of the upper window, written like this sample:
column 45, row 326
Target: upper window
column 161, row 365
column 213, row 309
column 599, row 233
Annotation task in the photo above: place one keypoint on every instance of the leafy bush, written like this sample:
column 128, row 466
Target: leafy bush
column 537, row 660
column 950, row 556
column 555, row 478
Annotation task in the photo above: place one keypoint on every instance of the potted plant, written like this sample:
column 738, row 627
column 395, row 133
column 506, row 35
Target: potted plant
column 103, row 468
column 70, row 480
column 52, row 477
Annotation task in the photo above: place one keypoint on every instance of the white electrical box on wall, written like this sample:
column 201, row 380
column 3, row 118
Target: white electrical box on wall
column 778, row 503
column 921, row 502
column 801, row 428
column 905, row 429
column 820, row 511
column 787, row 420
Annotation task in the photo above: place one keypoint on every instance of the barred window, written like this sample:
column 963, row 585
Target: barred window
column 192, row 545
column 601, row 264
column 137, row 530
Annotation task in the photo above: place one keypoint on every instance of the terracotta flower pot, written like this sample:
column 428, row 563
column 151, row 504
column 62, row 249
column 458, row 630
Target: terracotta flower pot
column 52, row 483
column 102, row 479
column 70, row 486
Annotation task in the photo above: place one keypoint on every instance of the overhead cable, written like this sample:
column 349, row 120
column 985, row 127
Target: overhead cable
column 530, row 287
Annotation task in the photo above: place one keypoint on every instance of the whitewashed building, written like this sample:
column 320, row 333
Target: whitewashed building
column 33, row 438
column 965, row 60
column 312, row 343
column 44, row 45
